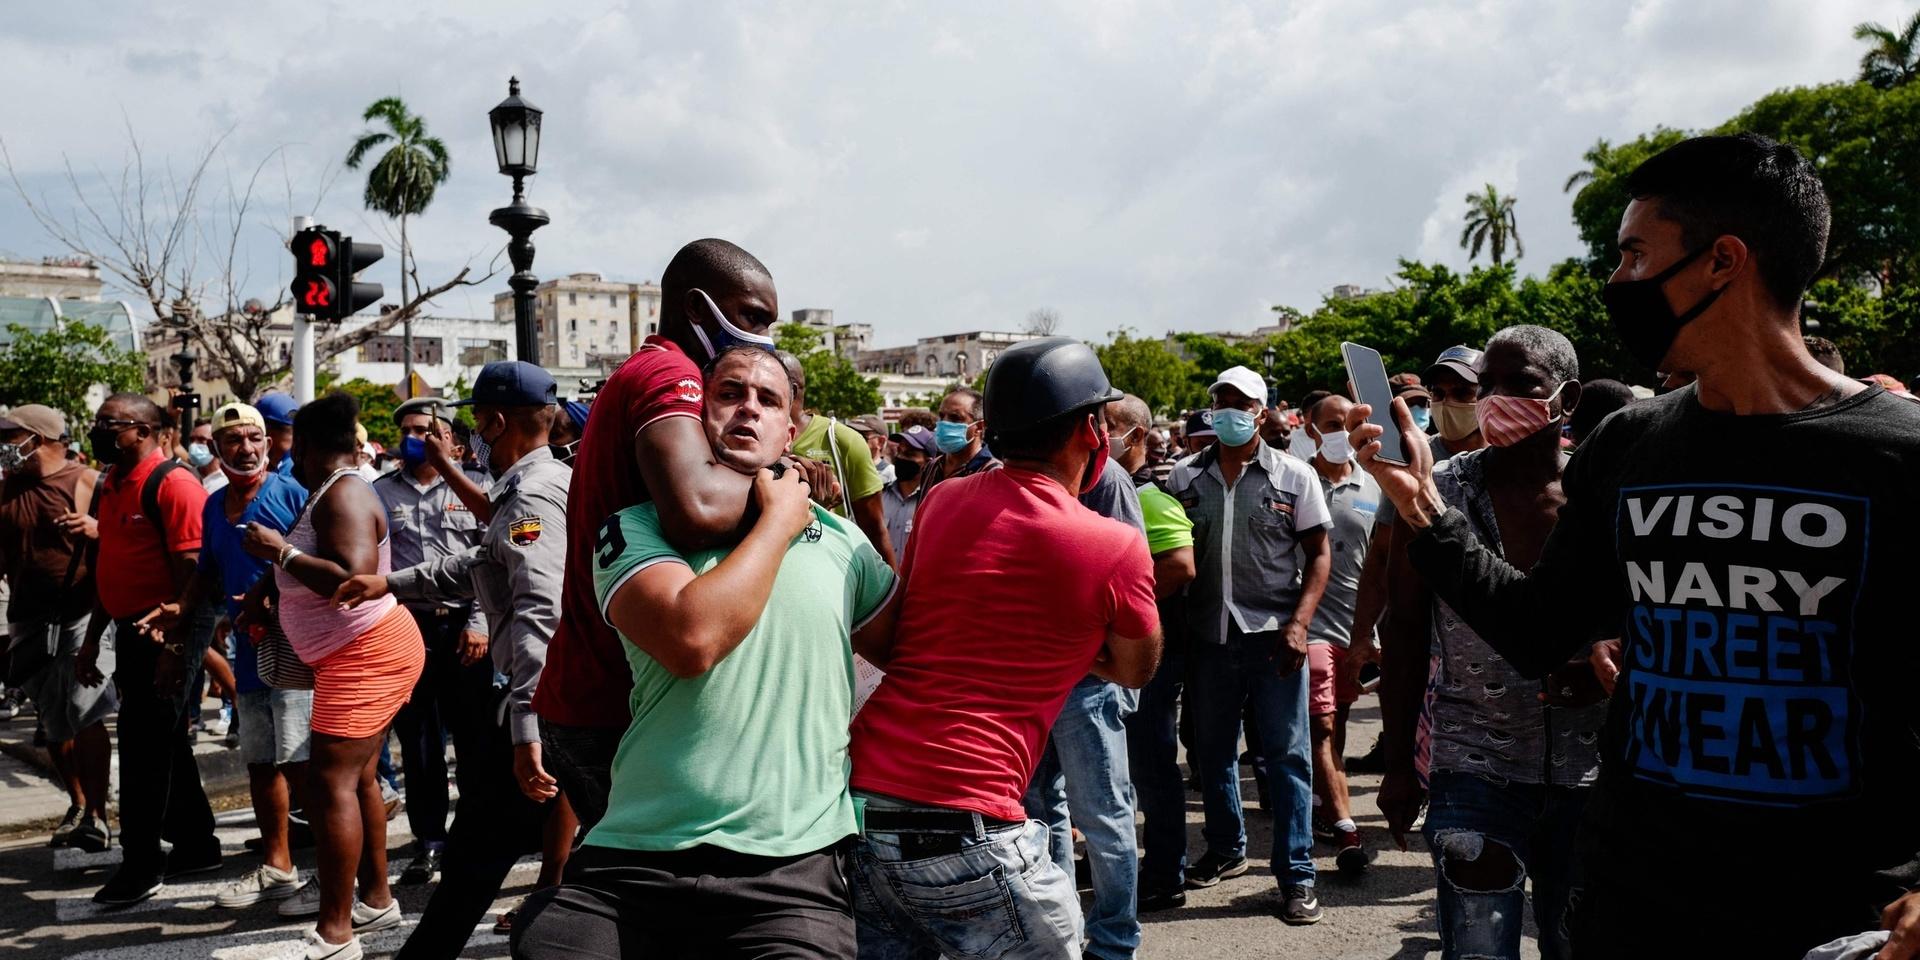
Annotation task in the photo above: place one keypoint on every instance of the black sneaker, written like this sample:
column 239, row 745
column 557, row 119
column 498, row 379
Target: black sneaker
column 91, row 836
column 68, row 823
column 1153, row 901
column 1214, row 868
column 422, row 869
column 127, row 888
column 1299, row 906
column 1352, row 858
column 182, row 862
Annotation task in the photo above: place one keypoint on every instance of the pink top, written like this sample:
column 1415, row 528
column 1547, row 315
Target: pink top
column 314, row 624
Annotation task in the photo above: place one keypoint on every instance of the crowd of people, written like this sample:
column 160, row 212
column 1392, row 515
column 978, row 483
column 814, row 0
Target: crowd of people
column 757, row 682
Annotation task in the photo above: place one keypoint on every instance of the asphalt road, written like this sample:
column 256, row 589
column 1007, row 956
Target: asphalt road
column 45, row 910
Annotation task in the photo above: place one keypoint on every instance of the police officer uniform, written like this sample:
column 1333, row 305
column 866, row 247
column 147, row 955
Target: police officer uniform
column 515, row 574
column 427, row 523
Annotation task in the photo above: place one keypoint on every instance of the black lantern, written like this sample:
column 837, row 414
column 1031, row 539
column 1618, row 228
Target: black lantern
column 516, row 146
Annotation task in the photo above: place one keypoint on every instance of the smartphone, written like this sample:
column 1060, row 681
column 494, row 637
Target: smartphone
column 1367, row 374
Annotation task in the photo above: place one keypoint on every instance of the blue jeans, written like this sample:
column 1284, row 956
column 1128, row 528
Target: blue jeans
column 1082, row 781
column 1487, row 839
column 999, row 897
column 1153, row 756
column 1226, row 676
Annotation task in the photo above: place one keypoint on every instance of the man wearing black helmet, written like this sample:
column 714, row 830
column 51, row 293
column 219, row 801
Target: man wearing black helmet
column 944, row 749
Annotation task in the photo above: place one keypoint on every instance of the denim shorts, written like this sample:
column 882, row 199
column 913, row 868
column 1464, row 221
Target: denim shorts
column 276, row 726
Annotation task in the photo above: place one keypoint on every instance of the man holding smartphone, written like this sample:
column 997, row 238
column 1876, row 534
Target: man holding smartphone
column 1763, row 720
column 1260, row 547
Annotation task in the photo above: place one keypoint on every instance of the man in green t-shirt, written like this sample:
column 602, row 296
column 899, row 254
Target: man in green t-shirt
column 834, row 443
column 726, row 824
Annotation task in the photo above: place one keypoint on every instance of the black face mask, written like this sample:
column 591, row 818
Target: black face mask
column 1642, row 317
column 105, row 443
column 907, row 471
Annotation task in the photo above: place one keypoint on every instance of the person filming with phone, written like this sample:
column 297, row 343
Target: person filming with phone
column 1761, row 753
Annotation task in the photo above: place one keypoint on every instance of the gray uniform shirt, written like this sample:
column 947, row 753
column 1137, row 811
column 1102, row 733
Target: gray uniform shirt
column 1486, row 718
column 515, row 572
column 1353, row 503
column 1112, row 496
column 1246, row 539
column 898, row 510
column 427, row 522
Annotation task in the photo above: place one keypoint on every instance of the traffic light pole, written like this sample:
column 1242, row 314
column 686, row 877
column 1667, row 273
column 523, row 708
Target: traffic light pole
column 302, row 339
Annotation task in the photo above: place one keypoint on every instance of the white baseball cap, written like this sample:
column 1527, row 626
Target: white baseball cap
column 1244, row 380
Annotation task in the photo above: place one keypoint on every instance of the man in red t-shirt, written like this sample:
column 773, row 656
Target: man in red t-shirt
column 943, row 750
column 145, row 561
column 645, row 442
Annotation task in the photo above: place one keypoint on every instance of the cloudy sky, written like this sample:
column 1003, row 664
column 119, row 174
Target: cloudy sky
column 925, row 168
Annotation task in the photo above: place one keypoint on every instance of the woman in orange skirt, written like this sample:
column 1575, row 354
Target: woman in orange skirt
column 365, row 662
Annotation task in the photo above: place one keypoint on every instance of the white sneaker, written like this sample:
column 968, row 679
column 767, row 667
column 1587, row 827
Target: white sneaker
column 318, row 949
column 305, row 902
column 367, row 920
column 265, row 883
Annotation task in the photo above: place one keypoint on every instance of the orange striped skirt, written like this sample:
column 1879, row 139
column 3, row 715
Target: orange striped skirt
column 358, row 688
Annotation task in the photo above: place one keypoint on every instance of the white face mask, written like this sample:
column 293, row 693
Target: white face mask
column 1335, row 448
column 1301, row 445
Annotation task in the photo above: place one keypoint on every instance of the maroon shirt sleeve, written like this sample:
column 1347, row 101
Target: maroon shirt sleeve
column 183, row 503
column 672, row 389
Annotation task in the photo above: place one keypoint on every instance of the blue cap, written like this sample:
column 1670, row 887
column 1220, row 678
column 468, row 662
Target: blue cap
column 917, row 437
column 277, row 408
column 511, row 383
column 577, row 412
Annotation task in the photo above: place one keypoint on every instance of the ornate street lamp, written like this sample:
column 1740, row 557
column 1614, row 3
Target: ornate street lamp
column 516, row 147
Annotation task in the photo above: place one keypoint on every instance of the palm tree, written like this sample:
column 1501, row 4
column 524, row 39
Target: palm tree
column 1490, row 220
column 401, row 184
column 1894, row 57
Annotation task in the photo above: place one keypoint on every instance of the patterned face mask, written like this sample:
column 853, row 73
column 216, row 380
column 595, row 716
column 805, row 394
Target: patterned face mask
column 1505, row 420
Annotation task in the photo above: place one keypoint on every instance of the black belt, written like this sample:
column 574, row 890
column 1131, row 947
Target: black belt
column 444, row 611
column 965, row 822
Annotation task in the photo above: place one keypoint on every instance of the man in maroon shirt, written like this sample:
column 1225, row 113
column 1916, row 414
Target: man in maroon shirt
column 645, row 442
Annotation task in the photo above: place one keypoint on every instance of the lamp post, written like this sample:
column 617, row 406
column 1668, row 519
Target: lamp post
column 1267, row 355
column 516, row 146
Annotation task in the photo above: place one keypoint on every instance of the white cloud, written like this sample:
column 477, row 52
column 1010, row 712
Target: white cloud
column 1149, row 164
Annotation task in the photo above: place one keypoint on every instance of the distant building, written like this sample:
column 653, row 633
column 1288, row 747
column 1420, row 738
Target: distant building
column 54, row 278
column 586, row 325
column 954, row 356
column 848, row 339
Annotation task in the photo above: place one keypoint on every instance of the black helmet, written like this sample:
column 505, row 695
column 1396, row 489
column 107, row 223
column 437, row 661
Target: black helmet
column 1034, row 381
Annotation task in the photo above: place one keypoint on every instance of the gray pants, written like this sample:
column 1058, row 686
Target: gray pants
column 65, row 706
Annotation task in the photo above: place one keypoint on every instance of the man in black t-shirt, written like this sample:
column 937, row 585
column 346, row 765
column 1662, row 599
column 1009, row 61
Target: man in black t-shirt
column 1761, row 759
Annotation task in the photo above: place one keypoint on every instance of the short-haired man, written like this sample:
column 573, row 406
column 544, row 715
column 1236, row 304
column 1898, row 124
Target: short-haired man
column 1153, row 745
column 47, row 570
column 961, row 437
column 146, row 557
column 275, row 723
column 912, row 450
column 874, row 430
column 202, row 457
column 427, row 522
column 278, row 409
column 1260, row 548
column 828, row 441
column 514, row 573
column 1352, row 501
column 726, row 827
column 944, row 749
column 1764, row 712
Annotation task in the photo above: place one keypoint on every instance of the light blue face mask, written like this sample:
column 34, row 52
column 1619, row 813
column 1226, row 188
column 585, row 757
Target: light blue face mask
column 950, row 437
column 728, row 335
column 199, row 455
column 1235, row 427
column 1422, row 416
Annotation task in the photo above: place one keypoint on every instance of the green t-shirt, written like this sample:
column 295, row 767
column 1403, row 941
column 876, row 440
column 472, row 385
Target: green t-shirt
column 1167, row 525
column 854, row 465
column 752, row 755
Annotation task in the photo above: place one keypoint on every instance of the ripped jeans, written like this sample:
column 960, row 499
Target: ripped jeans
column 1488, row 840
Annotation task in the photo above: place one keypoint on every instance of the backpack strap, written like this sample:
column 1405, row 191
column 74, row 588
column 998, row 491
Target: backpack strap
column 150, row 497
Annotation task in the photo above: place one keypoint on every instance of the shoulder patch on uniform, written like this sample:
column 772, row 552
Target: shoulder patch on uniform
column 524, row 531
column 688, row 390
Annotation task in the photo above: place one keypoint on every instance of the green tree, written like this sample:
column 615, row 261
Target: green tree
column 402, row 182
column 1490, row 222
column 834, row 386
column 1149, row 370
column 377, row 403
column 1601, row 199
column 58, row 367
column 1893, row 56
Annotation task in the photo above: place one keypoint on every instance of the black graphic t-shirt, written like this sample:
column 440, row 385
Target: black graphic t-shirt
column 1765, row 730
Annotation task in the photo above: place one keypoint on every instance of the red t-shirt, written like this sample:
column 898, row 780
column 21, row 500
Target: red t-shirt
column 132, row 572
column 1010, row 588
column 586, row 679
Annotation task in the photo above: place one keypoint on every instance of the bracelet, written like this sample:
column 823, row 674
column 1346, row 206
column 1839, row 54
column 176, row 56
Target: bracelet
column 287, row 553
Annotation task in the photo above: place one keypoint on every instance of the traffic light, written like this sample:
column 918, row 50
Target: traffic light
column 315, row 261
column 324, row 263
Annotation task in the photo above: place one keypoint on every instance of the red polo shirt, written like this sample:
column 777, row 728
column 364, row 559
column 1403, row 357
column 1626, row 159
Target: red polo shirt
column 132, row 573
column 587, row 680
